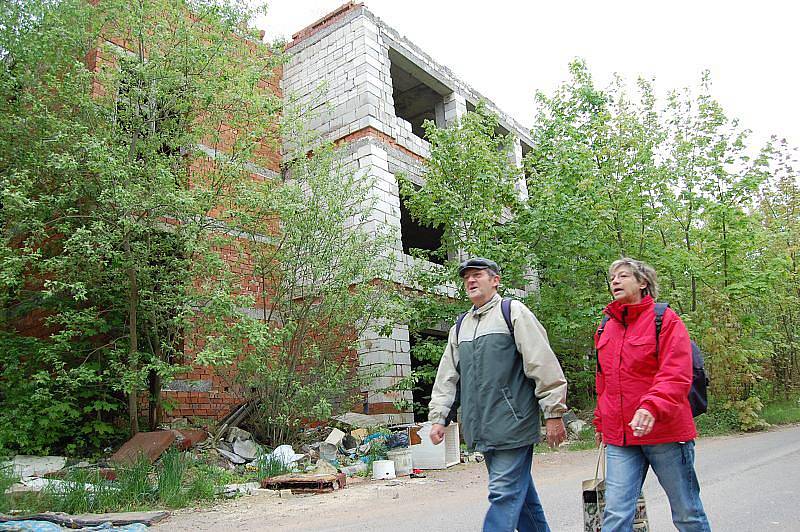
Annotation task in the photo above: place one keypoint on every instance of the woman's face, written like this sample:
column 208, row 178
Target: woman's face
column 625, row 287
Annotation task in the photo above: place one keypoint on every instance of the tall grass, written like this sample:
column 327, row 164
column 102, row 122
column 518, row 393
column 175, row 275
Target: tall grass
column 7, row 479
column 171, row 478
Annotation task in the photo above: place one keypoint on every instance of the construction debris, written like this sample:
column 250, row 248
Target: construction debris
column 151, row 445
column 25, row 466
column 306, row 483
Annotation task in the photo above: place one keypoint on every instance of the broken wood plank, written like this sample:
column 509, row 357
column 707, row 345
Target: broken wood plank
column 84, row 520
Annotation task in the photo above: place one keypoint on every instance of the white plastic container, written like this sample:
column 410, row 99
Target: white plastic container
column 383, row 470
column 403, row 464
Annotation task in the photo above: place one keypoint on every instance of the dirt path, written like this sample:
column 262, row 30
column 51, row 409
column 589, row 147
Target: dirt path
column 749, row 482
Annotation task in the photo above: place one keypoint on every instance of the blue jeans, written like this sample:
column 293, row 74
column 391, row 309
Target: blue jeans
column 514, row 503
column 673, row 464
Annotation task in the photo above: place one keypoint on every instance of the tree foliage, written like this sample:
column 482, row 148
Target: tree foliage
column 109, row 112
column 676, row 185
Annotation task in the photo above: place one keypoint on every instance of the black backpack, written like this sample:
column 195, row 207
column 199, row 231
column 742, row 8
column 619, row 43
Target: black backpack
column 505, row 308
column 698, row 393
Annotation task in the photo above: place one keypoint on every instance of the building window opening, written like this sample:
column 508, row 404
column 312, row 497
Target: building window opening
column 416, row 235
column 417, row 95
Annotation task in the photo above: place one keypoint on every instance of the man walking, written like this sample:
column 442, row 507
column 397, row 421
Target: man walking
column 504, row 373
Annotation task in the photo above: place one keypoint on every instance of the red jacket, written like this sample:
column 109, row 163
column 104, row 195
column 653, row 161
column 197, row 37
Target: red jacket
column 630, row 375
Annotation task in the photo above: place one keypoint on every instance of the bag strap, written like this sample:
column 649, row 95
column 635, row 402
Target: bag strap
column 458, row 323
column 505, row 308
column 601, row 459
column 661, row 308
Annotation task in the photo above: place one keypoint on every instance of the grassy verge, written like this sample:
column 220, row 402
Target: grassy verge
column 178, row 480
column 782, row 412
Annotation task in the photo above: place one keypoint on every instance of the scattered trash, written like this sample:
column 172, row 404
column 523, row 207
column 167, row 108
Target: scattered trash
column 355, row 469
column 397, row 439
column 25, row 466
column 232, row 490
column 327, row 451
column 233, row 457
column 402, row 460
column 576, row 427
column 247, row 449
column 359, row 434
column 383, row 470
column 237, row 433
column 151, row 445
column 335, row 437
column 286, row 455
column 323, row 466
column 426, row 455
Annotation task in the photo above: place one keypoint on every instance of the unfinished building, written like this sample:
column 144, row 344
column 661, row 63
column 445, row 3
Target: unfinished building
column 369, row 89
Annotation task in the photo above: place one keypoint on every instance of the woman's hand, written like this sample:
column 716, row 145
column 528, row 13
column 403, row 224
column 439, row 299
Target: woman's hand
column 598, row 438
column 642, row 423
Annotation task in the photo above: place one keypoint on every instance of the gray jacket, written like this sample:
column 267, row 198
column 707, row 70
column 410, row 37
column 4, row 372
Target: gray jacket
column 503, row 385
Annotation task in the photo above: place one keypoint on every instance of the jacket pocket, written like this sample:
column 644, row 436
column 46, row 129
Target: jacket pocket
column 507, row 397
column 640, row 358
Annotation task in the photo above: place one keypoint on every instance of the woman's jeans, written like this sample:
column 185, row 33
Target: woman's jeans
column 673, row 464
column 514, row 503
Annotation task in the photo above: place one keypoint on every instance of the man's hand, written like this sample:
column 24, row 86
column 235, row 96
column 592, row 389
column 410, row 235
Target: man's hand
column 556, row 433
column 437, row 433
column 598, row 438
column 642, row 423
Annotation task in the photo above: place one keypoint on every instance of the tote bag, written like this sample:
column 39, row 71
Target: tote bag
column 594, row 503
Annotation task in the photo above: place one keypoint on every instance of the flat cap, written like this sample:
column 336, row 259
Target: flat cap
column 478, row 263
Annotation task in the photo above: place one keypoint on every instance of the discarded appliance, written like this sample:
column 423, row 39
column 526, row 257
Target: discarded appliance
column 426, row 455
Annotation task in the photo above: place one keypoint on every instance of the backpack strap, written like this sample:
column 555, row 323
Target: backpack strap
column 660, row 309
column 603, row 322
column 505, row 307
column 597, row 368
column 459, row 320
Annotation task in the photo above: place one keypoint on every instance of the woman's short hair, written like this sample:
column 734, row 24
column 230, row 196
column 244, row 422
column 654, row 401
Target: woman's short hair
column 642, row 271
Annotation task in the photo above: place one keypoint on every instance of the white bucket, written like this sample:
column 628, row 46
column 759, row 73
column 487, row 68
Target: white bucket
column 402, row 461
column 382, row 470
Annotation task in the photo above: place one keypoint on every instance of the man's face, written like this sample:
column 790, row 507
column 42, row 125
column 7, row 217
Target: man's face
column 480, row 285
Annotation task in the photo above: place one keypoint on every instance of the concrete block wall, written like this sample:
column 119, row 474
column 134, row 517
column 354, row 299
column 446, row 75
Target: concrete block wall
column 340, row 76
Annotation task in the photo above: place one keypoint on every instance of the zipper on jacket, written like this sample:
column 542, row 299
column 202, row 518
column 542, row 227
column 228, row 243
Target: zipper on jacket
column 478, row 430
column 505, row 396
column 619, row 373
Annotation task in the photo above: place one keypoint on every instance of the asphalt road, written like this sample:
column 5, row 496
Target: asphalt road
column 748, row 482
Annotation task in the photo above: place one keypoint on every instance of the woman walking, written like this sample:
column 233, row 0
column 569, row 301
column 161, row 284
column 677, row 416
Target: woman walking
column 643, row 414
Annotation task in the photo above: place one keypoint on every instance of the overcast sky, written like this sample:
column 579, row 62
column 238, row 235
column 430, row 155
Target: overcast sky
column 509, row 49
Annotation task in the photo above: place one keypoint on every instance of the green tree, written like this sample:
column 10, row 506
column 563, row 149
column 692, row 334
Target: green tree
column 124, row 129
column 470, row 192
column 323, row 276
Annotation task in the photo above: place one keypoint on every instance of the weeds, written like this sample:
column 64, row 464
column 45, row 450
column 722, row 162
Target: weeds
column 176, row 481
column 269, row 466
column 170, row 479
column 7, row 479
